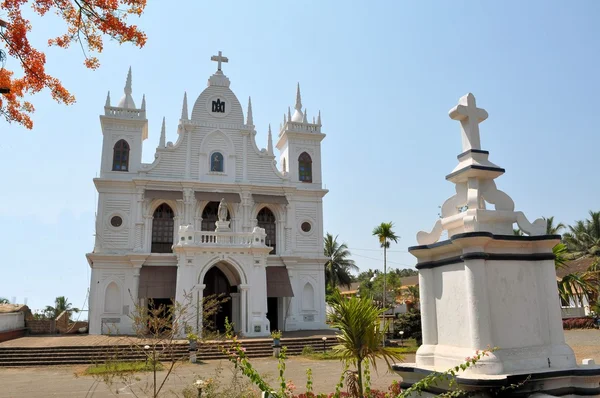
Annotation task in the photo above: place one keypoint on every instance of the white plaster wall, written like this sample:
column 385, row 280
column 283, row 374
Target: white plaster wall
column 102, row 277
column 12, row 321
column 451, row 305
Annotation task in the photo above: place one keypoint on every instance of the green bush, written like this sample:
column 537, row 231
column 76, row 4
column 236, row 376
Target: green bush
column 308, row 350
column 410, row 323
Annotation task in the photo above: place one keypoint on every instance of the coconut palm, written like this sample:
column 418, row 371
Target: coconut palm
column 386, row 235
column 339, row 265
column 4, row 300
column 552, row 229
column 61, row 304
column 360, row 335
column 583, row 238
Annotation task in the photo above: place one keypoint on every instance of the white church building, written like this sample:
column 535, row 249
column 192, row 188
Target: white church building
column 212, row 214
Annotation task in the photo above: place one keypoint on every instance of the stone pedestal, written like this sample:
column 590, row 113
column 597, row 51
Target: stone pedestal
column 485, row 287
column 222, row 226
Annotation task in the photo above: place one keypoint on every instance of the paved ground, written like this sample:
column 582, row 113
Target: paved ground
column 89, row 340
column 62, row 382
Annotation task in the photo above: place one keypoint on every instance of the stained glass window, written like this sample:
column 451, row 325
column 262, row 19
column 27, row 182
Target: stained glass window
column 305, row 167
column 216, row 162
column 121, row 156
column 162, row 229
column 265, row 219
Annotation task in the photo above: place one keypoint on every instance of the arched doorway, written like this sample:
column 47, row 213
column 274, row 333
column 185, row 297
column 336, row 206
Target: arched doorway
column 217, row 298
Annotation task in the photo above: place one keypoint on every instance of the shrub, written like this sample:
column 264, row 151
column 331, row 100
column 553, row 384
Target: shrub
column 578, row 323
column 410, row 323
column 308, row 350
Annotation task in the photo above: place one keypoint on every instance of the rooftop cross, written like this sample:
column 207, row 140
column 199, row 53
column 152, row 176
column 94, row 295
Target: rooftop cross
column 469, row 116
column 219, row 58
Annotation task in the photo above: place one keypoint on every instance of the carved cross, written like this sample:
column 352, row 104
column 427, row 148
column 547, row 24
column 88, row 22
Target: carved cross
column 219, row 58
column 469, row 116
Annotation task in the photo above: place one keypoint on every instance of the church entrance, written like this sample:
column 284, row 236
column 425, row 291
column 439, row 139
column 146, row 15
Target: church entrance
column 217, row 300
column 272, row 312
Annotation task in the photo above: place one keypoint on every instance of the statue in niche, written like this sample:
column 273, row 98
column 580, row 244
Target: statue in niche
column 222, row 212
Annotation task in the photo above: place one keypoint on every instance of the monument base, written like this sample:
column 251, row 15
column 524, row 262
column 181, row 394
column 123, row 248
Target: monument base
column 583, row 381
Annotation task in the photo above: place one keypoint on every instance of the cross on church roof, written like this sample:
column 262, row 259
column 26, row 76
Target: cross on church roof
column 219, row 58
column 469, row 116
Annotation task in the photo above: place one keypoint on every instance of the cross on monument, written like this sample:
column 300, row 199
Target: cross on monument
column 219, row 58
column 469, row 116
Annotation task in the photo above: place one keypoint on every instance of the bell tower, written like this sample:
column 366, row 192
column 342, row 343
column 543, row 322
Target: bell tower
column 300, row 146
column 124, row 128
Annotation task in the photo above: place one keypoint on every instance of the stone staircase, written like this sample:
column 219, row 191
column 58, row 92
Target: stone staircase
column 81, row 355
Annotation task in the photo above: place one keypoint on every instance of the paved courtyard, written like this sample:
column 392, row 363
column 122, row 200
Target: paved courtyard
column 63, row 382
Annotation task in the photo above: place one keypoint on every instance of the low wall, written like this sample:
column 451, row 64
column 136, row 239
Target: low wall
column 12, row 321
column 12, row 334
column 42, row 326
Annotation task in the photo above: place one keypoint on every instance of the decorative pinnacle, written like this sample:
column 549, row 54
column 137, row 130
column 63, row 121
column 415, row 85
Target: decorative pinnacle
column 305, row 119
column 144, row 102
column 298, row 99
column 284, row 119
column 163, row 133
column 270, row 142
column 107, row 99
column 319, row 118
column 289, row 114
column 249, row 118
column 184, row 108
column 128, row 83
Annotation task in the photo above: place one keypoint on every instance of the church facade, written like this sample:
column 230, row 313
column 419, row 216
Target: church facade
column 212, row 215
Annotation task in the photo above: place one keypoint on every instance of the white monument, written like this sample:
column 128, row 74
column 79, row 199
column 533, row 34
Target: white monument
column 485, row 287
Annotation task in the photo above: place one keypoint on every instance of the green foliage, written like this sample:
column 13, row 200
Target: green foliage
column 384, row 232
column 410, row 324
column 339, row 266
column 61, row 304
column 309, row 381
column 360, row 335
column 276, row 334
column 4, row 300
column 121, row 367
column 583, row 238
column 374, row 288
column 308, row 350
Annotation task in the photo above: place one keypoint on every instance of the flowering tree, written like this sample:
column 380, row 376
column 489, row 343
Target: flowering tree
column 87, row 21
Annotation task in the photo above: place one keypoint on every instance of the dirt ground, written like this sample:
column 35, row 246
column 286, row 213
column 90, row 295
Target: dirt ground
column 68, row 382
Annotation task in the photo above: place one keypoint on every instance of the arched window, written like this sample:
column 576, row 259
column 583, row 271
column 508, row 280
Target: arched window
column 112, row 299
column 216, row 162
column 308, row 297
column 210, row 216
column 162, row 229
column 265, row 219
column 121, row 156
column 305, row 167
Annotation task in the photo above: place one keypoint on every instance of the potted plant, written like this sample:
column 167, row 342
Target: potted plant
column 276, row 335
column 192, row 338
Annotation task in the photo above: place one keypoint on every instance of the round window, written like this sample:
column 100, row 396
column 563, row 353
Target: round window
column 116, row 221
column 306, row 227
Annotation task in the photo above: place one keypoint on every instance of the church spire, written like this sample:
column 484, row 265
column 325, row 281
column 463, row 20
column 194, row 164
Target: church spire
column 127, row 100
column 107, row 103
column 298, row 116
column 184, row 109
column 163, row 133
column 249, row 118
column 144, row 102
column 319, row 118
column 270, row 142
column 298, row 99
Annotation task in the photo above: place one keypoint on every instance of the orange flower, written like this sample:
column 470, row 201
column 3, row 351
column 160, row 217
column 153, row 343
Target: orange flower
column 87, row 21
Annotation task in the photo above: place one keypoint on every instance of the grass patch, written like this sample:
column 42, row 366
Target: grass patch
column 322, row 356
column 121, row 367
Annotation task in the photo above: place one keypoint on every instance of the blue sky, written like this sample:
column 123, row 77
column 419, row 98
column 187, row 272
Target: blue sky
column 384, row 75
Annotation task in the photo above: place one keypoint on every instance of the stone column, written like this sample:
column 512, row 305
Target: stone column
column 244, row 308
column 280, row 237
column 235, row 311
column 189, row 205
column 197, row 308
column 147, row 236
column 139, row 223
column 136, row 284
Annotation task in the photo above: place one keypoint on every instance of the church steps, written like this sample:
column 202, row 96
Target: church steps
column 81, row 355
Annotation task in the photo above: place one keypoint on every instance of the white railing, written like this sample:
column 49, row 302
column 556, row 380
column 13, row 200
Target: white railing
column 189, row 237
column 223, row 238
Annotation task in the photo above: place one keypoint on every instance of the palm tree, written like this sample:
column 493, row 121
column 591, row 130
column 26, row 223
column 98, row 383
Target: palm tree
column 411, row 294
column 357, row 320
column 339, row 265
column 61, row 304
column 552, row 229
column 583, row 238
column 385, row 234
column 4, row 300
